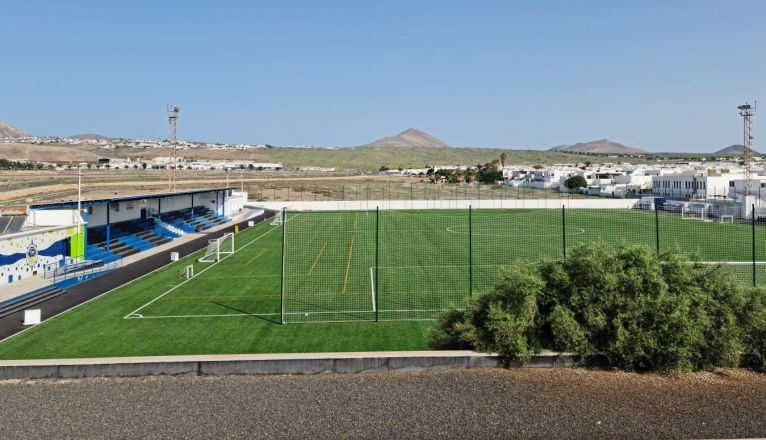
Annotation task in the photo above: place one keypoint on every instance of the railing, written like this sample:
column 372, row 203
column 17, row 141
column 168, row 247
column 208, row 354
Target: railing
column 83, row 270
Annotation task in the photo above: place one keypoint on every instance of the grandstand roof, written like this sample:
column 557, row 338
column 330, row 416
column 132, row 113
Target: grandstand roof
column 65, row 205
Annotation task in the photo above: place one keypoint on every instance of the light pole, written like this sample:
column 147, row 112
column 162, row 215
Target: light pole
column 79, row 189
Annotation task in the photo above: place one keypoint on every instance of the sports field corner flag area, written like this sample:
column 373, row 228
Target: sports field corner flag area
column 330, row 281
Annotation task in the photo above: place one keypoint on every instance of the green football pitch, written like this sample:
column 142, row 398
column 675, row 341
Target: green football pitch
column 395, row 267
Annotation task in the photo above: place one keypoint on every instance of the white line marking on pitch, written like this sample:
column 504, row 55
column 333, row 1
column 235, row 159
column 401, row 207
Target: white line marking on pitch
column 134, row 312
column 372, row 285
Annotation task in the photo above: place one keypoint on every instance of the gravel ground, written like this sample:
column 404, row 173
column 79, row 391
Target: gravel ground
column 489, row 403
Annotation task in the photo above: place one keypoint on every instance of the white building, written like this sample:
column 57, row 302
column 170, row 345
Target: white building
column 693, row 185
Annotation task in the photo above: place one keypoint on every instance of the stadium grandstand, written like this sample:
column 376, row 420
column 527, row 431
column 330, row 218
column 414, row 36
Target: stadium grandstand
column 47, row 248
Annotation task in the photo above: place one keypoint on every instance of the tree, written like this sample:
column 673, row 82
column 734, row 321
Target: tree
column 143, row 165
column 383, row 168
column 503, row 158
column 576, row 182
column 537, row 167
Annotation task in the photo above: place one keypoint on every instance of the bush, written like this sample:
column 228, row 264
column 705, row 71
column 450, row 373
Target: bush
column 754, row 340
column 502, row 320
column 640, row 311
column 452, row 332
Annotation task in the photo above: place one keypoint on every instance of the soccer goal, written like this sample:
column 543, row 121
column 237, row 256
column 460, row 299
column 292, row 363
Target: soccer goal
column 276, row 220
column 727, row 219
column 186, row 272
column 218, row 247
column 694, row 213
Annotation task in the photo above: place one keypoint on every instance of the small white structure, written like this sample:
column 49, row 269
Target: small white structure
column 32, row 316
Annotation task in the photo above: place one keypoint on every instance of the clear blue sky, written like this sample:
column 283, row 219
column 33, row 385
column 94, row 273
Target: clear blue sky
column 663, row 75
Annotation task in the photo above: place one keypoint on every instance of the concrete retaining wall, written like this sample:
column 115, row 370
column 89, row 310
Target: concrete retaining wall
column 302, row 363
column 349, row 205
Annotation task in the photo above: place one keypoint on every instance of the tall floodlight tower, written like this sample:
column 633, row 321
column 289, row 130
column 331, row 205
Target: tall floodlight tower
column 747, row 111
column 173, row 112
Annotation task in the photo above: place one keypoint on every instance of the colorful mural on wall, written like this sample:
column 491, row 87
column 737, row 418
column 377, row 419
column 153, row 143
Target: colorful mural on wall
column 29, row 254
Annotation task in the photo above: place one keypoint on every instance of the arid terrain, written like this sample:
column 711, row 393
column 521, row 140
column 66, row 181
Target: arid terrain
column 25, row 187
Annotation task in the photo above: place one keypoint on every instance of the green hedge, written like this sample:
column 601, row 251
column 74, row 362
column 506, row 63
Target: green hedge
column 640, row 311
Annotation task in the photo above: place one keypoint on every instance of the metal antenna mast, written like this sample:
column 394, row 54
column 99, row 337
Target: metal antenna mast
column 747, row 111
column 173, row 112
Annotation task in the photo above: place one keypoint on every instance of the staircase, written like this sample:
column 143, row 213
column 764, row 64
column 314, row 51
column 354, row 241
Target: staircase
column 28, row 300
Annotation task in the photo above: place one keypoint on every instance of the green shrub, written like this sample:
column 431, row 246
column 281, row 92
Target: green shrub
column 452, row 332
column 642, row 312
column 754, row 339
column 567, row 334
column 501, row 321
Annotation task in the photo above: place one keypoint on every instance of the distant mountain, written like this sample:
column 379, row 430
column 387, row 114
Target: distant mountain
column 8, row 130
column 89, row 137
column 734, row 150
column 603, row 146
column 410, row 138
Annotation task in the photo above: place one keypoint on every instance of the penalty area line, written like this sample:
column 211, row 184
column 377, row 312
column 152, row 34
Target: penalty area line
column 135, row 312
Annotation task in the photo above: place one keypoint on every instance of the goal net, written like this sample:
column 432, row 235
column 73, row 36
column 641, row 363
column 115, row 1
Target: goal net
column 727, row 218
column 186, row 272
column 276, row 220
column 217, row 248
column 694, row 213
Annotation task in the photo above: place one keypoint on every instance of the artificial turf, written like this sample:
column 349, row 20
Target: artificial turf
column 397, row 267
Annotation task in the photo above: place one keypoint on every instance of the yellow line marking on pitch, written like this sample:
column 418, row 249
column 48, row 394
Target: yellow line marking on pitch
column 253, row 259
column 319, row 255
column 348, row 264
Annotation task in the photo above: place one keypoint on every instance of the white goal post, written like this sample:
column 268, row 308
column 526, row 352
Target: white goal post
column 276, row 220
column 695, row 212
column 187, row 272
column 726, row 218
column 218, row 247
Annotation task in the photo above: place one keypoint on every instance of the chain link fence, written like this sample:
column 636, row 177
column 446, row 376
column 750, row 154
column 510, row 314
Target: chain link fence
column 409, row 265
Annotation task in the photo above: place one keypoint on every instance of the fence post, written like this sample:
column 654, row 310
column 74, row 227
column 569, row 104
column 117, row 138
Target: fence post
column 564, row 228
column 752, row 223
column 282, row 278
column 470, row 252
column 657, row 228
column 377, row 253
